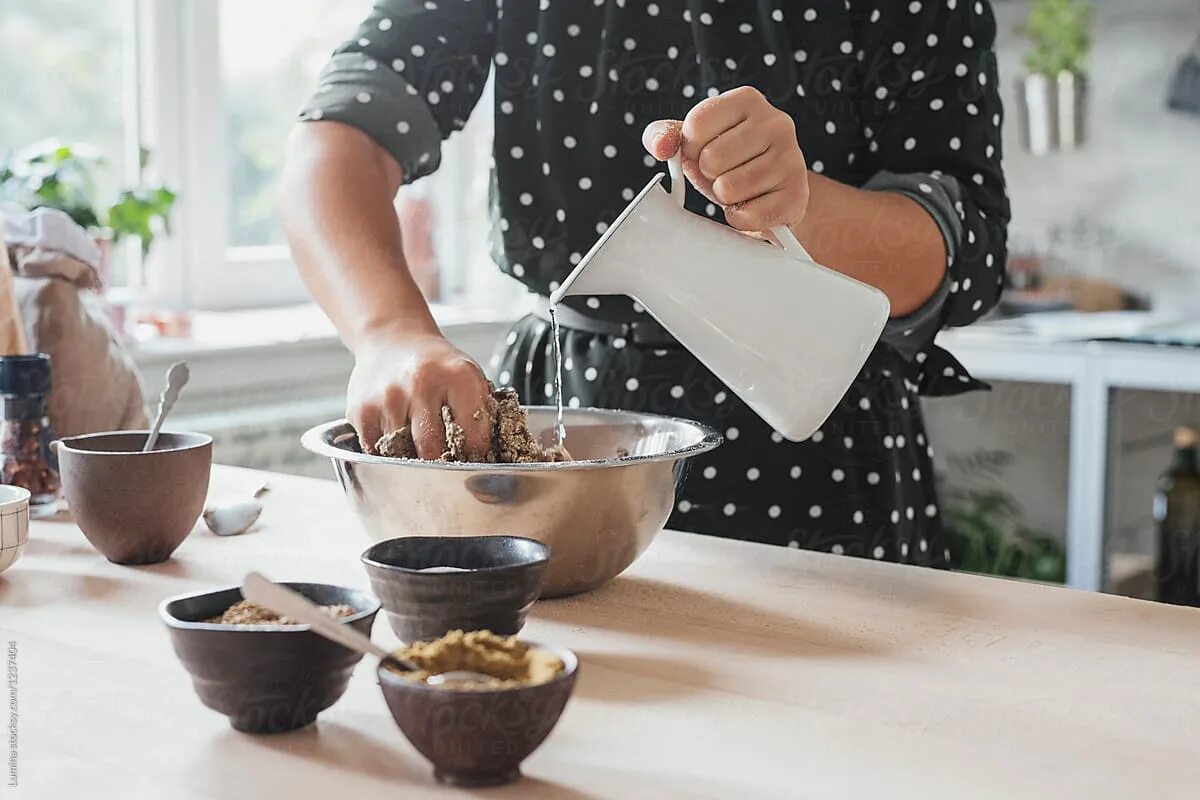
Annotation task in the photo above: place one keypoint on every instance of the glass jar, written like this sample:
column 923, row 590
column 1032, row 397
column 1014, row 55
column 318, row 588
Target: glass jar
column 25, row 434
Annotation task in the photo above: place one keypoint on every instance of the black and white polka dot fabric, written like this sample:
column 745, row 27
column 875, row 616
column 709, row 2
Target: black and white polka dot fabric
column 886, row 95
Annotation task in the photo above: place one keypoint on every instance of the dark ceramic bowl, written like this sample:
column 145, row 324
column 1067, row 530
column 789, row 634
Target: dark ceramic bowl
column 265, row 678
column 503, row 581
column 478, row 738
column 135, row 507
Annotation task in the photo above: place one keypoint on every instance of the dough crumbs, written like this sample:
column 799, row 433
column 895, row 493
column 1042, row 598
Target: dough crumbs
column 396, row 444
column 456, row 437
column 512, row 442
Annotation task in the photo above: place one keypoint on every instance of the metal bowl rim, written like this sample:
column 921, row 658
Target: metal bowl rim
column 312, row 440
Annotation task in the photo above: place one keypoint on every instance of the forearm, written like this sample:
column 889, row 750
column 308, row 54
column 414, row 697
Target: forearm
column 336, row 201
column 881, row 238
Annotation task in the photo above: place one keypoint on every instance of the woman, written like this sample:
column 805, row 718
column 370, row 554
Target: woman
column 871, row 127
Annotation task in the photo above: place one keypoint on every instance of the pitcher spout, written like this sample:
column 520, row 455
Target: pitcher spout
column 599, row 272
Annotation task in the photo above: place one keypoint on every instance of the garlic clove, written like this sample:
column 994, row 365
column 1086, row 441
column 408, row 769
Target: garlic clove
column 232, row 519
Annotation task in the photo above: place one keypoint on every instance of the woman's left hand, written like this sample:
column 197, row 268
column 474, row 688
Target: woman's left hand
column 741, row 152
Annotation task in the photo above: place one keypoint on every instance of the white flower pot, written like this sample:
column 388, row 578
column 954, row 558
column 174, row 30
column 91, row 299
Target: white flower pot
column 1052, row 111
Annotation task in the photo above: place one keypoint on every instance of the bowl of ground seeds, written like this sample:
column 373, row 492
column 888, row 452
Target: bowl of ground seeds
column 266, row 673
column 477, row 733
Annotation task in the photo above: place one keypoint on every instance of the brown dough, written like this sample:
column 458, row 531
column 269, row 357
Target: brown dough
column 397, row 444
column 512, row 442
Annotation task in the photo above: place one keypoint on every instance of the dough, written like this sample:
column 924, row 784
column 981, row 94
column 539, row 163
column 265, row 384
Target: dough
column 512, row 442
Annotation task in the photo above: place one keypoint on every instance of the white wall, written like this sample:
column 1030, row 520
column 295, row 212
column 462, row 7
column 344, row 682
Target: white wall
column 1139, row 171
column 1138, row 176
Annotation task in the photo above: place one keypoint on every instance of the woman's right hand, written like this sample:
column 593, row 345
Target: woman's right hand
column 399, row 381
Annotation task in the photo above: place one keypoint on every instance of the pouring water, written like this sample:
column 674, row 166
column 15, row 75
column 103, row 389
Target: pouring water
column 560, row 430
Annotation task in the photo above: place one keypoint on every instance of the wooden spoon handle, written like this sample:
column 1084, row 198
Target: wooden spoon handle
column 282, row 600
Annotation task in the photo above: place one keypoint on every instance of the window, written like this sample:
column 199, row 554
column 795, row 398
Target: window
column 52, row 93
column 271, row 52
column 52, row 96
column 211, row 88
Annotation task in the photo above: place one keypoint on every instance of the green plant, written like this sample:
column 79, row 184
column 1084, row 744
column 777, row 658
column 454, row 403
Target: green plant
column 54, row 176
column 139, row 212
column 62, row 176
column 983, row 523
column 1060, row 31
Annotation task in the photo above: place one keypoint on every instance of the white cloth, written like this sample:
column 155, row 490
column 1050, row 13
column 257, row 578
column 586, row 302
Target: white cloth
column 47, row 229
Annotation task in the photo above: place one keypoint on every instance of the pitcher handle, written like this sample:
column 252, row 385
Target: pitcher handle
column 782, row 234
column 788, row 241
column 678, row 182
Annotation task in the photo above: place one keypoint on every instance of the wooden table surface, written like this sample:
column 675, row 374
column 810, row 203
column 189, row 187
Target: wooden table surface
column 710, row 669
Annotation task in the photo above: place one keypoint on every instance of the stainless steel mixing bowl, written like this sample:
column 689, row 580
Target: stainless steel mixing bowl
column 597, row 513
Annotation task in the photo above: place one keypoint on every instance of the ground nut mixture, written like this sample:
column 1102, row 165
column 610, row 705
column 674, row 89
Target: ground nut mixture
column 509, row 661
column 512, row 442
column 243, row 612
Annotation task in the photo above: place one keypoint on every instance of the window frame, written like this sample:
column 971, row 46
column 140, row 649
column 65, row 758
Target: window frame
column 178, row 114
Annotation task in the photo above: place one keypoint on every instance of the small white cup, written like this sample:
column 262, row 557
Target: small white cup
column 14, row 524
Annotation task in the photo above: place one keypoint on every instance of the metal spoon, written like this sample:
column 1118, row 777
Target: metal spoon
column 177, row 378
column 285, row 602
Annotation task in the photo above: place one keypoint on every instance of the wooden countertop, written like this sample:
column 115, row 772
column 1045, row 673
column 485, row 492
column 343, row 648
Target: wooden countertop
column 710, row 669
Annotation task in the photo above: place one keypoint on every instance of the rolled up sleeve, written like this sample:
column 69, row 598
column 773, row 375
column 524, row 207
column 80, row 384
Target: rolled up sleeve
column 932, row 116
column 409, row 77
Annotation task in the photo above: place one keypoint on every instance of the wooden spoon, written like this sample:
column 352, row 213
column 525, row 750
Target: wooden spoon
column 285, row 602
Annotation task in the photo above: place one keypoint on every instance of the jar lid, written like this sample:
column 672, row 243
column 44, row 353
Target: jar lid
column 25, row 375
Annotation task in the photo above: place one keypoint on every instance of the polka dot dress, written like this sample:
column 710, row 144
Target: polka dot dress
column 862, row 486
column 886, row 95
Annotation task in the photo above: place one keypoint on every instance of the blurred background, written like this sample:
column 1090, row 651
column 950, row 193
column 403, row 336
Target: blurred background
column 157, row 125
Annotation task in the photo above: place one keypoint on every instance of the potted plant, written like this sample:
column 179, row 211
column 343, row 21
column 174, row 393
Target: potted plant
column 984, row 528
column 1051, row 95
column 62, row 176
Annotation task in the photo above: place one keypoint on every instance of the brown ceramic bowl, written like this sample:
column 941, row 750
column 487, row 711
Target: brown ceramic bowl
column 478, row 738
column 502, row 580
column 135, row 507
column 265, row 678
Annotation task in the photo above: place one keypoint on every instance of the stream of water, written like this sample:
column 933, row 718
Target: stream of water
column 560, row 430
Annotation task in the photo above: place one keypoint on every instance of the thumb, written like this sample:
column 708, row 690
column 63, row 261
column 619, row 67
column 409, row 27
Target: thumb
column 662, row 138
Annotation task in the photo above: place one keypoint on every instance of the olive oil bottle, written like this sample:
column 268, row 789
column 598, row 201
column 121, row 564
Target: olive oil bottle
column 1177, row 513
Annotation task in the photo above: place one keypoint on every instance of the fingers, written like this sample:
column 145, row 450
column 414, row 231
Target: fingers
column 712, row 117
column 776, row 207
column 661, row 138
column 427, row 395
column 368, row 421
column 428, row 429
column 735, row 147
column 741, row 152
column 467, row 398
column 394, row 409
column 753, row 179
column 459, row 384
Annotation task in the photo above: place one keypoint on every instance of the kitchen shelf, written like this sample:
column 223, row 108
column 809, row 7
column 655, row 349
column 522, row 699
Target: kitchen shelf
column 1092, row 370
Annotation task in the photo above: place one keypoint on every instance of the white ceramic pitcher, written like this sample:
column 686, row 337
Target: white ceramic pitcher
column 784, row 333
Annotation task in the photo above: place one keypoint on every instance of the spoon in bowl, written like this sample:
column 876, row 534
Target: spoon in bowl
column 285, row 602
column 177, row 378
